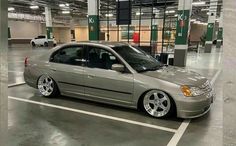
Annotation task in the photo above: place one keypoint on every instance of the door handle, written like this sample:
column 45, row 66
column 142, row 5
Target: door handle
column 91, row 76
column 53, row 69
column 81, row 60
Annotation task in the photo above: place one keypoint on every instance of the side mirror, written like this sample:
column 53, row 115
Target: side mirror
column 118, row 67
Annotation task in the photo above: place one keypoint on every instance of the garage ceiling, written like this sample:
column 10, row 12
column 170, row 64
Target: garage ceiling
column 78, row 8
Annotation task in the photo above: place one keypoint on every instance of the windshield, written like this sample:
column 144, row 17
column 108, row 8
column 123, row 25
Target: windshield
column 137, row 58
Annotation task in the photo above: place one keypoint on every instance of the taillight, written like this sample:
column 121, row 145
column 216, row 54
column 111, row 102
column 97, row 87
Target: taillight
column 26, row 61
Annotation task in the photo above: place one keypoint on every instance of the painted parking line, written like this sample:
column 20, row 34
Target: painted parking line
column 16, row 71
column 182, row 128
column 16, row 62
column 96, row 114
column 178, row 133
column 16, row 84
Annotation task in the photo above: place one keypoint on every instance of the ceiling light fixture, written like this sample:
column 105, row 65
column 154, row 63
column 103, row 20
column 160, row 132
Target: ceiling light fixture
column 34, row 7
column 138, row 13
column 62, row 5
column 11, row 9
column 171, row 11
column 204, row 10
column 198, row 3
column 65, row 12
column 108, row 15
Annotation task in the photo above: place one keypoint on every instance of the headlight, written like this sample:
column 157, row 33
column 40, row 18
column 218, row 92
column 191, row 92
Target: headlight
column 191, row 91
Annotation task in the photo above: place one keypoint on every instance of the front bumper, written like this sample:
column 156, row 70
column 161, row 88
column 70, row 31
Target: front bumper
column 193, row 107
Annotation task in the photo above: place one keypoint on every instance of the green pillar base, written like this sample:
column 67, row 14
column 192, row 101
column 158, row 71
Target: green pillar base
column 180, row 57
column 208, row 48
column 218, row 44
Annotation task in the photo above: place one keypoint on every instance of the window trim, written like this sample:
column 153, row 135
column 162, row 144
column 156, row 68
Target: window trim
column 127, row 70
column 65, row 47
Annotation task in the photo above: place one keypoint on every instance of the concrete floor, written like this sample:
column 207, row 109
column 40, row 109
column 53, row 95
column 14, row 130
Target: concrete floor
column 37, row 121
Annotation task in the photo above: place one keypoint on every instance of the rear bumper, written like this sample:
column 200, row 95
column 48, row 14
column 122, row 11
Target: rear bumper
column 193, row 108
column 29, row 79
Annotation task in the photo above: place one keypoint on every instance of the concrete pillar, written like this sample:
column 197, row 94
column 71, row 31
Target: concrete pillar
column 3, row 72
column 182, row 32
column 211, row 26
column 93, row 19
column 72, row 30
column 220, row 32
column 48, row 17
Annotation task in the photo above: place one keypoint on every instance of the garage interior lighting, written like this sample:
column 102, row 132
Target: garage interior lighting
column 11, row 9
column 204, row 10
column 171, row 11
column 34, row 7
column 198, row 3
column 65, row 12
column 138, row 13
column 108, row 15
column 64, row 5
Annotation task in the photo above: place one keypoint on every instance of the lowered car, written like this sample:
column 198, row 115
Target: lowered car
column 120, row 74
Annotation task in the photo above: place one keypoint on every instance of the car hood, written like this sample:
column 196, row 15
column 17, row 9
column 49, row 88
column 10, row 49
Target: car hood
column 178, row 76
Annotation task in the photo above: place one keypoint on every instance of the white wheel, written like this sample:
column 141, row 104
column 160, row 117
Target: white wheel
column 157, row 103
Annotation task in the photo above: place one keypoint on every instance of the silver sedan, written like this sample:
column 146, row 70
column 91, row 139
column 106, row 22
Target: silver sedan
column 119, row 74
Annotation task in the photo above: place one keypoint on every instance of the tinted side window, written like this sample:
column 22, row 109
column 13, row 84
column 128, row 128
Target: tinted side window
column 100, row 58
column 41, row 37
column 69, row 55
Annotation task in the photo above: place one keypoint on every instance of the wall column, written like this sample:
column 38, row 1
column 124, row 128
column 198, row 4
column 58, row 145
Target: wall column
column 211, row 26
column 93, row 19
column 220, row 32
column 182, row 32
column 3, row 72
column 48, row 17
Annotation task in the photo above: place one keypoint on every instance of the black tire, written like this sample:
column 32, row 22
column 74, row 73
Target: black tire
column 171, row 109
column 55, row 90
column 33, row 44
column 45, row 44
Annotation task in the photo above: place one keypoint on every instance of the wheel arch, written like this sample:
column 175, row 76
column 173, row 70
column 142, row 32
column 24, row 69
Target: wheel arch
column 143, row 94
column 56, row 83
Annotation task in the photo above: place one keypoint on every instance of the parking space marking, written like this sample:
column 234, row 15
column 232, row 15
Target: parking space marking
column 96, row 115
column 213, row 80
column 16, row 84
column 17, row 62
column 16, row 71
column 182, row 128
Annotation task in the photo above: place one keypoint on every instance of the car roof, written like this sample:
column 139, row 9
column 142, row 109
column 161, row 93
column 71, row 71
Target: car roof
column 103, row 43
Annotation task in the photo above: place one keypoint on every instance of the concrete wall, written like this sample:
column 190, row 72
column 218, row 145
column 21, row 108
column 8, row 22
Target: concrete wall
column 28, row 30
column 62, row 34
column 25, row 30
column 197, row 30
column 81, row 34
